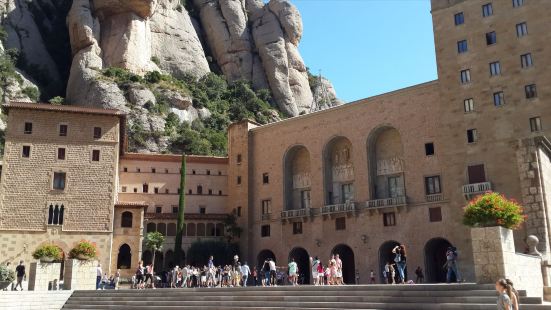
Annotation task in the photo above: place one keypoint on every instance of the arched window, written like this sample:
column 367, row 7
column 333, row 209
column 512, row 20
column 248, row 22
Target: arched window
column 124, row 258
column 126, row 219
column 210, row 230
column 151, row 227
column 191, row 230
column 55, row 214
column 171, row 229
column 200, row 230
column 219, row 230
column 199, row 190
column 161, row 227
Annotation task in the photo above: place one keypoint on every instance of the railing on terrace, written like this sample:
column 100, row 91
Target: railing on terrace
column 339, row 208
column 476, row 188
column 434, row 197
column 386, row 202
column 287, row 214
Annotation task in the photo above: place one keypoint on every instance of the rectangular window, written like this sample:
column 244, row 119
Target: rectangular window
column 239, row 159
column 156, row 190
column 465, row 76
column 462, row 46
column 526, row 61
column 522, row 29
column 166, row 170
column 435, row 214
column 265, row 178
column 305, row 199
column 499, row 99
column 26, row 151
column 61, row 153
column 340, row 223
column 123, row 189
column 389, row 219
column 297, row 228
column 265, row 231
column 153, row 170
column 432, row 185
column 135, row 189
column 59, row 180
column 62, row 130
column 158, row 209
column 174, row 209
column 167, row 191
column 95, row 155
column 192, row 171
column 487, row 10
column 472, row 136
column 239, row 211
column 208, row 172
column 429, row 149
column 238, row 180
column 491, row 38
column 202, row 210
column 219, row 193
column 468, row 105
column 459, row 19
column 530, row 91
column 97, row 132
column 28, row 128
column 535, row 124
column 517, row 3
column 266, row 206
column 495, row 68
column 125, row 169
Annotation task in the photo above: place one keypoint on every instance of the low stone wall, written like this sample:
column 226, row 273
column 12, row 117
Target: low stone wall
column 44, row 276
column 495, row 258
column 29, row 300
column 80, row 274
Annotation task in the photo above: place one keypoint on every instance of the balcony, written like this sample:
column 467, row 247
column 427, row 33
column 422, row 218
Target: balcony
column 289, row 214
column 434, row 197
column 386, row 202
column 339, row 208
column 267, row 216
column 470, row 190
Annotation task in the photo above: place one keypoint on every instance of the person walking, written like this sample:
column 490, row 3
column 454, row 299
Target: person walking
column 117, row 279
column 386, row 273
column 372, row 277
column 293, row 272
column 99, row 274
column 333, row 268
column 245, row 272
column 321, row 273
column 20, row 273
column 400, row 260
column 419, row 275
column 451, row 265
column 505, row 294
column 514, row 295
column 338, row 264
column 140, row 276
column 315, row 273
column 273, row 273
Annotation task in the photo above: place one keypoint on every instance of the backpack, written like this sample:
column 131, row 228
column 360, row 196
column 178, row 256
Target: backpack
column 139, row 272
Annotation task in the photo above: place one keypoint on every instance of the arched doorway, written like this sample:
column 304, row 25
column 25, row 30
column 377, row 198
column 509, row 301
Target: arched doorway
column 435, row 258
column 301, row 257
column 385, row 256
column 348, row 266
column 124, row 259
column 264, row 255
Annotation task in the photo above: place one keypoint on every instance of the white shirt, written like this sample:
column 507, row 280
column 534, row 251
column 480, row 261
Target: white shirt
column 245, row 270
column 100, row 273
column 272, row 265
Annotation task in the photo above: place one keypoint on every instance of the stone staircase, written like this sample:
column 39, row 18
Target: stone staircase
column 33, row 300
column 411, row 297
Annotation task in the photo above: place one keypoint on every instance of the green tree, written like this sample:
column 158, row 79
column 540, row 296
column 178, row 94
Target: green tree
column 154, row 242
column 181, row 208
column 232, row 230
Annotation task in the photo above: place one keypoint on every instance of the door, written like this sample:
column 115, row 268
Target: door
column 393, row 187
column 305, row 199
column 347, row 192
column 476, row 174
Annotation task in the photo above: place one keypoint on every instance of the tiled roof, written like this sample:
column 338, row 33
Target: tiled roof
column 175, row 158
column 61, row 108
column 187, row 216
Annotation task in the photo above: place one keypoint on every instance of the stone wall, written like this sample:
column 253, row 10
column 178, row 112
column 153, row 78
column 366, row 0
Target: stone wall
column 495, row 257
column 33, row 300
column 44, row 276
column 80, row 274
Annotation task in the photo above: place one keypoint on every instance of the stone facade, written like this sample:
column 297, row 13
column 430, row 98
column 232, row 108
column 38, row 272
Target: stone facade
column 128, row 228
column 44, row 276
column 495, row 257
column 80, row 274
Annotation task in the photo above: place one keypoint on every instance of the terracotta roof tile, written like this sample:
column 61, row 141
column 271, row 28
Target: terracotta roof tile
column 61, row 108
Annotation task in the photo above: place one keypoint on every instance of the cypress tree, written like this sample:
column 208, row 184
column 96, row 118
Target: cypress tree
column 181, row 208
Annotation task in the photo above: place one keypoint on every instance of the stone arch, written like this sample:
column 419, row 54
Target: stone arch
column 161, row 227
column 190, row 231
column 211, row 231
column 219, row 230
column 435, row 258
column 346, row 254
column 386, row 255
column 126, row 219
column 338, row 171
column 386, row 163
column 297, row 178
column 264, row 255
column 151, row 227
column 124, row 258
column 200, row 230
column 171, row 229
column 301, row 257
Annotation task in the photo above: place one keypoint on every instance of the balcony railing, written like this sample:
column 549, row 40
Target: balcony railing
column 434, row 197
column 386, row 202
column 476, row 188
column 266, row 217
column 339, row 208
column 295, row 213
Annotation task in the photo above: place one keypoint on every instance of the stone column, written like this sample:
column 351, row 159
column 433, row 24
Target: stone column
column 80, row 274
column 44, row 276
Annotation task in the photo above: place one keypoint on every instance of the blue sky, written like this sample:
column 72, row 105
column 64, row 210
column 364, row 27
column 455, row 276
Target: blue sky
column 368, row 47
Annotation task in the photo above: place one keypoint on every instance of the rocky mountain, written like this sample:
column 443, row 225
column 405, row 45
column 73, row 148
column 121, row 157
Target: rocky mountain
column 177, row 67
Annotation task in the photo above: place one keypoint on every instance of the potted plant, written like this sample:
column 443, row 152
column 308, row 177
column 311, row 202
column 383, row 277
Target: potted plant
column 6, row 276
column 47, row 253
column 84, row 250
column 493, row 209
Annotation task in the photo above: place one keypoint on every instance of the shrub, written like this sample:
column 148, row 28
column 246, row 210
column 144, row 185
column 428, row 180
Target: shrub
column 57, row 100
column 156, row 60
column 47, row 250
column 6, row 275
column 84, row 248
column 493, row 209
column 153, row 77
column 31, row 92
